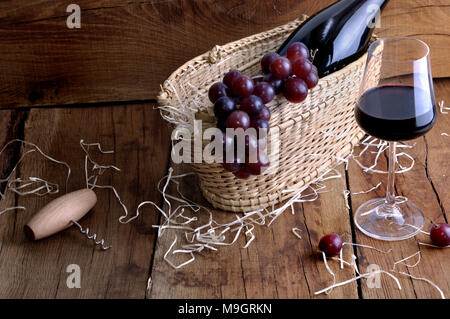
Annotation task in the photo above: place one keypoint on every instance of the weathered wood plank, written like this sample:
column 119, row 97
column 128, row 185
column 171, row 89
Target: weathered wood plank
column 125, row 49
column 212, row 274
column 38, row 269
column 12, row 122
column 288, row 267
column 276, row 265
column 423, row 19
column 329, row 214
column 416, row 185
column 438, row 168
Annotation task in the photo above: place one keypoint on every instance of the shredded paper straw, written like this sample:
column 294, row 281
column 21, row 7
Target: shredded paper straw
column 426, row 280
column 380, row 147
column 32, row 185
column 213, row 233
column 183, row 217
column 369, row 190
column 357, row 278
column 443, row 108
column 40, row 187
column 296, row 231
column 403, row 261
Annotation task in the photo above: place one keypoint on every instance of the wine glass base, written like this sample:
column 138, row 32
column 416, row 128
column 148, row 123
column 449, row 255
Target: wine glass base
column 379, row 220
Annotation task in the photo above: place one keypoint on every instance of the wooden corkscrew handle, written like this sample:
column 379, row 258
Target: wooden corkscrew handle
column 59, row 214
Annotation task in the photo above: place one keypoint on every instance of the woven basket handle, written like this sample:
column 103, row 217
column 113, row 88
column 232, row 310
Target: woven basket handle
column 215, row 54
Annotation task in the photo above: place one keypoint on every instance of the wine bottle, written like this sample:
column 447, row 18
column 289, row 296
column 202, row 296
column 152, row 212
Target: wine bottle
column 339, row 34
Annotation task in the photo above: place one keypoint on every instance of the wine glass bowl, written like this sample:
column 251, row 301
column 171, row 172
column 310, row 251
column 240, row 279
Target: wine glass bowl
column 396, row 103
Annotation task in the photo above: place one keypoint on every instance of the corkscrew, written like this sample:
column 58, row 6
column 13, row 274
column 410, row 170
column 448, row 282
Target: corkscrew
column 62, row 213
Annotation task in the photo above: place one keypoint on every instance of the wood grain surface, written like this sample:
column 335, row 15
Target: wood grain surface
column 141, row 144
column 125, row 49
column 276, row 264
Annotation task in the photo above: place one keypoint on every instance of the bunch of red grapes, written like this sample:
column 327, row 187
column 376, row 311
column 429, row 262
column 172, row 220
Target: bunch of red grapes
column 240, row 103
column 292, row 74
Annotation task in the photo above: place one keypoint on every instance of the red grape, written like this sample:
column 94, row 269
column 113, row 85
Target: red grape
column 250, row 142
column 223, row 107
column 331, row 245
column 242, row 86
column 267, row 60
column 277, row 84
column 251, row 148
column 221, row 124
column 265, row 91
column 252, row 105
column 281, row 68
column 230, row 76
column 264, row 114
column 259, row 167
column 243, row 173
column 228, row 143
column 295, row 90
column 262, row 144
column 217, row 90
column 238, row 119
column 259, row 123
column 234, row 147
column 234, row 165
column 311, row 80
column 261, row 126
column 301, row 68
column 297, row 50
column 440, row 234
column 237, row 100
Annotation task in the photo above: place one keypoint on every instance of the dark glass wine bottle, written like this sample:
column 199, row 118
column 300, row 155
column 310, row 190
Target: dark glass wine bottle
column 339, row 34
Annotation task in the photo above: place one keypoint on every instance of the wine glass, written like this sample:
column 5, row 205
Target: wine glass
column 396, row 103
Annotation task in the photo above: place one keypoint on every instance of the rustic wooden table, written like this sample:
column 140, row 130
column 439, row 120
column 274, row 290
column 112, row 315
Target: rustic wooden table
column 276, row 265
column 113, row 66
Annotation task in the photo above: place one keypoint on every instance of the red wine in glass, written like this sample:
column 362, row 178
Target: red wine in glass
column 396, row 103
column 396, row 112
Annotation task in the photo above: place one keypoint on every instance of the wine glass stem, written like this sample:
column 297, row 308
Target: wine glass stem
column 390, row 190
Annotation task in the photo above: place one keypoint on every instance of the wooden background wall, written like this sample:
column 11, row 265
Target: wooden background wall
column 126, row 48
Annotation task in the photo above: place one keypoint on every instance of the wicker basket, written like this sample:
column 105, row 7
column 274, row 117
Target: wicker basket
column 313, row 135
